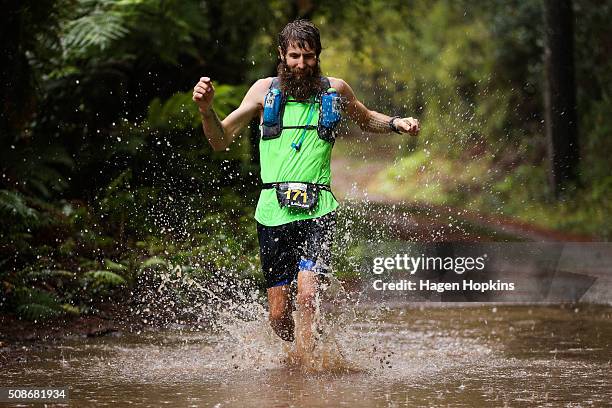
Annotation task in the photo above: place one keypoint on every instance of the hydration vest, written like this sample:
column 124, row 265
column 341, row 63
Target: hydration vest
column 329, row 112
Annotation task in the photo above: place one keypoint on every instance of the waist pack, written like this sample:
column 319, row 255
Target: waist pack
column 297, row 194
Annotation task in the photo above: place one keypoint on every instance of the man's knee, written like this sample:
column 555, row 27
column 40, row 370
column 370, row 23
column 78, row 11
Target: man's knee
column 306, row 298
column 307, row 289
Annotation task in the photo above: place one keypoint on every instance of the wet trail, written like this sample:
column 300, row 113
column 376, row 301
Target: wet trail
column 404, row 355
column 370, row 354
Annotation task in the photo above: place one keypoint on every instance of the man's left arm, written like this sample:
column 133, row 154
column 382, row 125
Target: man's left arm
column 369, row 120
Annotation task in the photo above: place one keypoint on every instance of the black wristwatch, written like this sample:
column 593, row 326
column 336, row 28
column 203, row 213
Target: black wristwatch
column 392, row 125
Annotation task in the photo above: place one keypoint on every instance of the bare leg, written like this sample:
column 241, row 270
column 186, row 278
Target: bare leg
column 281, row 319
column 306, row 299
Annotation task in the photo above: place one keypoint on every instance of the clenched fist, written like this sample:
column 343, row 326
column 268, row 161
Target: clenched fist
column 408, row 125
column 203, row 94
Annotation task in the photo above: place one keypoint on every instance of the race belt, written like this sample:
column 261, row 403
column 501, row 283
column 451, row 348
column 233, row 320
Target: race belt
column 297, row 194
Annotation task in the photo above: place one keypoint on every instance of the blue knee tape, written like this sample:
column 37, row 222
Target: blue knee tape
column 306, row 265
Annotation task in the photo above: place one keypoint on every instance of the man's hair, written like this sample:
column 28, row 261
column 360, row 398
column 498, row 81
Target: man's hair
column 301, row 33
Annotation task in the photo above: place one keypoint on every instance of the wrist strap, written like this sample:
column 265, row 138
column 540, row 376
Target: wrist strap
column 392, row 125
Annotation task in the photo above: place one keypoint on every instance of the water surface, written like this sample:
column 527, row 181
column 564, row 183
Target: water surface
column 414, row 354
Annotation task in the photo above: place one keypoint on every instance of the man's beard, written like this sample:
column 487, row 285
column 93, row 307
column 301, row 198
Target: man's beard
column 300, row 87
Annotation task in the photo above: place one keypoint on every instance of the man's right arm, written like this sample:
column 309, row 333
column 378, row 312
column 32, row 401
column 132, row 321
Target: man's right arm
column 220, row 134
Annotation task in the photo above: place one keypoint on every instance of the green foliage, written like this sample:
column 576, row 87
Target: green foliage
column 95, row 27
column 473, row 74
column 114, row 266
column 228, row 98
column 118, row 201
column 36, row 311
column 34, row 304
column 106, row 157
column 109, row 157
column 521, row 193
column 14, row 208
column 42, row 166
column 100, row 23
column 179, row 111
column 445, row 77
column 429, row 178
column 596, row 143
column 153, row 262
column 104, row 278
column 49, row 275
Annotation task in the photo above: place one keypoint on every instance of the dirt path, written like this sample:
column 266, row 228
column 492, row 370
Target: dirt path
column 358, row 163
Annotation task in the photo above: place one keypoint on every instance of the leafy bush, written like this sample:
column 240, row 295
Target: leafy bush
column 34, row 304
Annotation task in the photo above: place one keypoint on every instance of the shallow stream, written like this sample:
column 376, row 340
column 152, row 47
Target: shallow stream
column 411, row 354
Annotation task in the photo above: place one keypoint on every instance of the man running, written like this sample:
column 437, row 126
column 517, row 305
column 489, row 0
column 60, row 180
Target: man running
column 298, row 114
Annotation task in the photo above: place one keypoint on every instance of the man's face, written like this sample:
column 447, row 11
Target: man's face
column 301, row 61
column 299, row 72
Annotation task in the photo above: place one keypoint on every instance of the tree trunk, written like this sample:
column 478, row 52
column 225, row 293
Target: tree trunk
column 13, row 73
column 560, row 95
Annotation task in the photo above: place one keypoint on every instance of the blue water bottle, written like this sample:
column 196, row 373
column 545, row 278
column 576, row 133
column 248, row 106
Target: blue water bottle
column 272, row 106
column 330, row 108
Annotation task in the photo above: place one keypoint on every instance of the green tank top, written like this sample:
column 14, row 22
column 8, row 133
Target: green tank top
column 280, row 162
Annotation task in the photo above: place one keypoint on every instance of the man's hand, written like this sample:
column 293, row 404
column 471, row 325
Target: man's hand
column 203, row 94
column 408, row 125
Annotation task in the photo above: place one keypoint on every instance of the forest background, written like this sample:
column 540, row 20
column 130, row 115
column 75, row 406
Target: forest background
column 108, row 183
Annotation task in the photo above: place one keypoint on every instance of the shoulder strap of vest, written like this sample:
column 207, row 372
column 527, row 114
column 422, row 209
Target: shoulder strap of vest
column 325, row 82
column 275, row 84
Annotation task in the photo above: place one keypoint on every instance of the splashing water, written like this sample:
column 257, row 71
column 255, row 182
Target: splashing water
column 408, row 355
column 323, row 354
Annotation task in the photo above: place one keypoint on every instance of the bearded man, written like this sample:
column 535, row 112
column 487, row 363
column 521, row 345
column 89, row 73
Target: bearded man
column 298, row 111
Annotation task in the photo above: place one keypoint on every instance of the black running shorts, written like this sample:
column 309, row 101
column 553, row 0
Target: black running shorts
column 299, row 245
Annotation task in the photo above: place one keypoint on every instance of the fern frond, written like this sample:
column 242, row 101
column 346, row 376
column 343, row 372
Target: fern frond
column 13, row 205
column 35, row 311
column 50, row 273
column 99, row 24
column 35, row 304
column 179, row 111
column 73, row 310
column 98, row 29
column 105, row 278
column 24, row 295
column 114, row 266
column 153, row 262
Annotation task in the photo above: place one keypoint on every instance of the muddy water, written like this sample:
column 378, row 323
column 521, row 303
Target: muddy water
column 382, row 357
